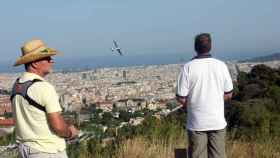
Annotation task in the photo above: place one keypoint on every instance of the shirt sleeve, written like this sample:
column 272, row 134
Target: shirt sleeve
column 182, row 88
column 50, row 99
column 228, row 86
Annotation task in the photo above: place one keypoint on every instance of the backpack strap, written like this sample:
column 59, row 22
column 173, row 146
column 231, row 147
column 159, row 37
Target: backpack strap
column 21, row 89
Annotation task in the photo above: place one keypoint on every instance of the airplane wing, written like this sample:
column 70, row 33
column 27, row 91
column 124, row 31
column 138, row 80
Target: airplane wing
column 119, row 51
column 115, row 44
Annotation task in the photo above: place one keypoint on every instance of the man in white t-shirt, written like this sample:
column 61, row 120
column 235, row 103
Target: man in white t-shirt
column 203, row 85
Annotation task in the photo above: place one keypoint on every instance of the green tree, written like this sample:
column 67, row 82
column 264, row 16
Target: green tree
column 263, row 72
column 253, row 120
column 274, row 93
column 251, row 91
column 125, row 116
column 149, row 127
column 106, row 118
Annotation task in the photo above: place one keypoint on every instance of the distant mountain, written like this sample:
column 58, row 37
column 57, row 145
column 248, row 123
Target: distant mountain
column 272, row 57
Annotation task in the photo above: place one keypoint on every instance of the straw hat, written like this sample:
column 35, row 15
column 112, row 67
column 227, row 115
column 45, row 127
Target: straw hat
column 34, row 50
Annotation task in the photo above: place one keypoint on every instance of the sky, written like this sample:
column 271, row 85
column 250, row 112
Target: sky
column 148, row 29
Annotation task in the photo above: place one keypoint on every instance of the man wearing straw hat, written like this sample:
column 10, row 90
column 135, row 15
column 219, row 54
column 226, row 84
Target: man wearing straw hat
column 40, row 128
column 203, row 85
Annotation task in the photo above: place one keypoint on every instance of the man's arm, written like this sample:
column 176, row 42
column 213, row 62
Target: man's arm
column 53, row 108
column 60, row 127
column 228, row 85
column 182, row 88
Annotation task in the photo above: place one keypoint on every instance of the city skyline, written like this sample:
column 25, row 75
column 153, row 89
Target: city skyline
column 85, row 30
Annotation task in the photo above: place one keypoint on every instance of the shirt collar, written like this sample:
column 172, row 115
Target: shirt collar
column 31, row 76
column 202, row 56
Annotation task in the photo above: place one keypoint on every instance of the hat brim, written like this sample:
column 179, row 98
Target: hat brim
column 36, row 56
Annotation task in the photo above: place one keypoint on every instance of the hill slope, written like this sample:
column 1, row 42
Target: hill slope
column 271, row 57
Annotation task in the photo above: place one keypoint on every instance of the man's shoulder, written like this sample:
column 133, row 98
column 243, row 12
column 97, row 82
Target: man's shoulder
column 36, row 81
column 41, row 90
column 44, row 84
column 206, row 60
column 186, row 65
column 218, row 61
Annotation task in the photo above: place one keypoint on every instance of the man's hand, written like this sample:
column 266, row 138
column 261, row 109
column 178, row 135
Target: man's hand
column 182, row 101
column 74, row 132
column 227, row 96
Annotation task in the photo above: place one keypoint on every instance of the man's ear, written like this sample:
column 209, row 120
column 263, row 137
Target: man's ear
column 34, row 64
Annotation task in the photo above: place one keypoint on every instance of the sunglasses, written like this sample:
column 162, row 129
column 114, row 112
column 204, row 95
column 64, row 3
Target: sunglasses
column 49, row 59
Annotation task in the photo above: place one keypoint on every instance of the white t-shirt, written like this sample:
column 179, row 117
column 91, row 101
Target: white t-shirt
column 204, row 81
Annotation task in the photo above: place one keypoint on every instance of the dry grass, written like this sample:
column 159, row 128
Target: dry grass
column 241, row 149
column 141, row 147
